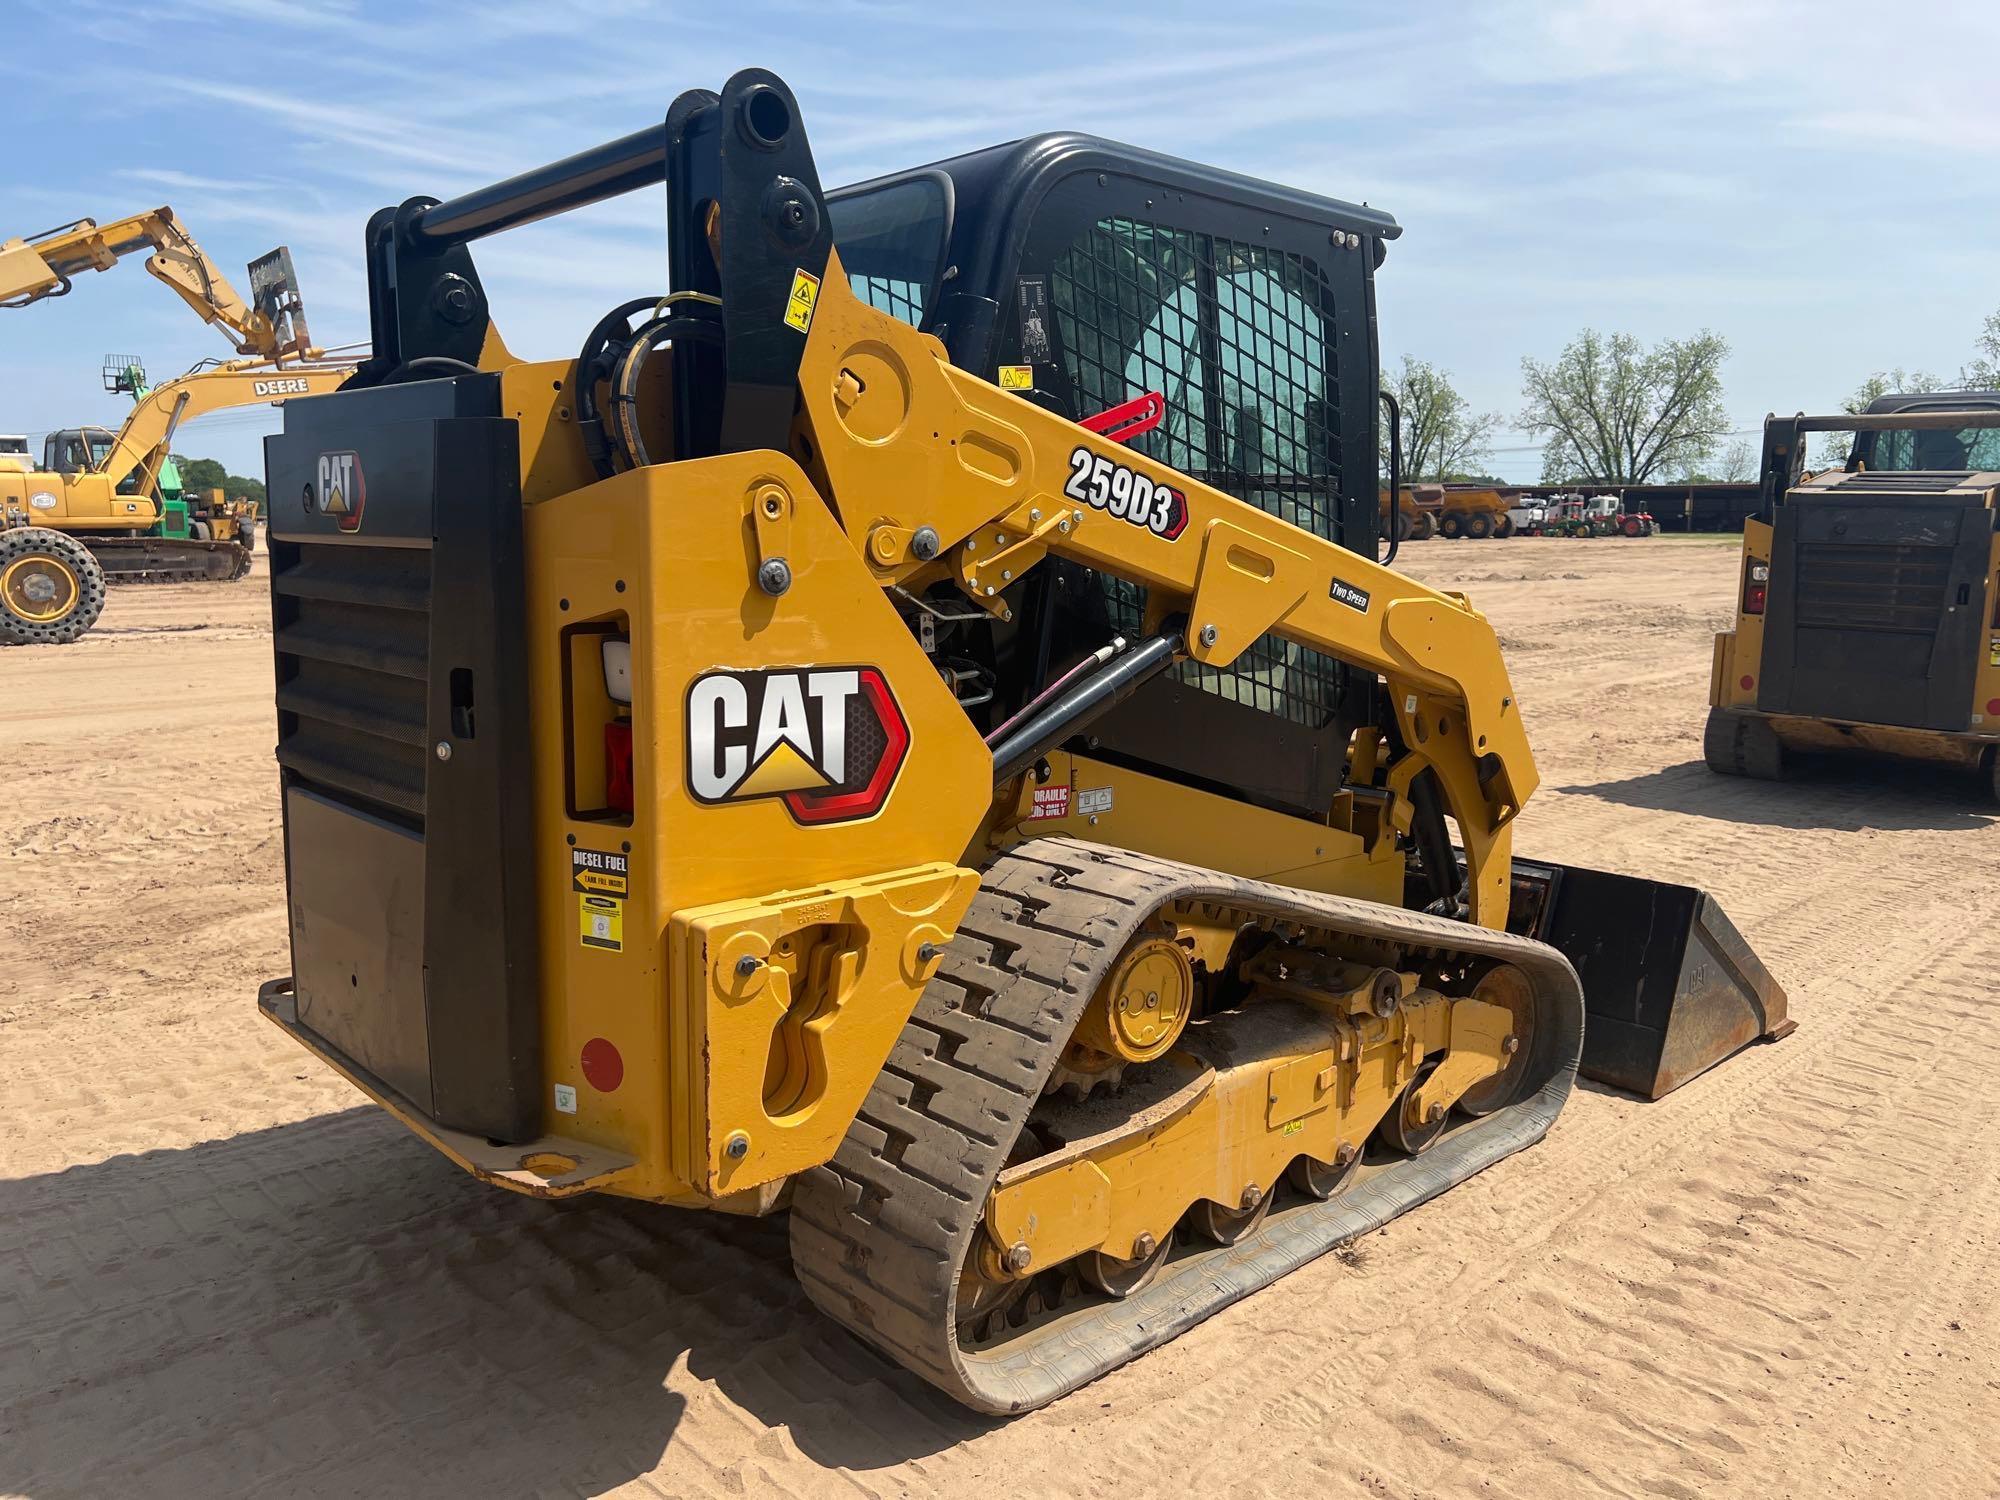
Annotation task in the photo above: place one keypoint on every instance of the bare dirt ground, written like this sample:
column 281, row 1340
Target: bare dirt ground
column 220, row 1275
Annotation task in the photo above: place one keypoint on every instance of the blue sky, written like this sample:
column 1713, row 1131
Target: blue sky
column 1814, row 181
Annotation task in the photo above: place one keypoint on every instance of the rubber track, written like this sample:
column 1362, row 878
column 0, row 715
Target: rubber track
column 879, row 1234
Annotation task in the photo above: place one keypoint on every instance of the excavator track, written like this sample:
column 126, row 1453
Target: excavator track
column 145, row 559
column 880, row 1234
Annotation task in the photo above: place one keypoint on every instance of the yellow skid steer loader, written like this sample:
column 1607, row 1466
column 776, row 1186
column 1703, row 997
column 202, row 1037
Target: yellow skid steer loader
column 909, row 726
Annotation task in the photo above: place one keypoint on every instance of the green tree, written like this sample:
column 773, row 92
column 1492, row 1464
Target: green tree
column 1738, row 465
column 1834, row 445
column 1615, row 412
column 200, row 475
column 1983, row 373
column 1442, row 435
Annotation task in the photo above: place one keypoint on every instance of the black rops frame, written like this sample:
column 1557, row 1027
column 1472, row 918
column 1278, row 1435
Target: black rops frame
column 1784, row 454
column 744, row 150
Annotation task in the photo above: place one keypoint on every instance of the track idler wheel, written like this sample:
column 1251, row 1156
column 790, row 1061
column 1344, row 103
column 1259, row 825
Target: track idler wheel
column 1505, row 986
column 1124, row 1278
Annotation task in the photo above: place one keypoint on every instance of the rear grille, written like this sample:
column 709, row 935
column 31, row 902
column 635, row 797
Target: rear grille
column 1929, row 482
column 1236, row 338
column 353, row 632
column 1871, row 586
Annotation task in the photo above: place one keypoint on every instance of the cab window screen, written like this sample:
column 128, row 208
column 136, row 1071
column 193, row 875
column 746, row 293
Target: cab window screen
column 1235, row 338
column 891, row 240
column 1968, row 448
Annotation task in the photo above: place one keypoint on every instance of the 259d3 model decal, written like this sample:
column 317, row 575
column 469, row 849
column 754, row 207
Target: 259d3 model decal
column 1122, row 491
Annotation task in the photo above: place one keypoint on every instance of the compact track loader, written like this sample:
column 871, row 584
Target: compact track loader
column 909, row 726
column 1868, row 607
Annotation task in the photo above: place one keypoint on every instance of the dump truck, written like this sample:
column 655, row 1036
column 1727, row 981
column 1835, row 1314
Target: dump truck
column 1868, row 596
column 1417, row 507
column 786, row 757
column 1475, row 511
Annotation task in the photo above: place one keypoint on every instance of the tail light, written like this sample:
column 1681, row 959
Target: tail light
column 1756, row 588
column 617, row 653
column 618, row 765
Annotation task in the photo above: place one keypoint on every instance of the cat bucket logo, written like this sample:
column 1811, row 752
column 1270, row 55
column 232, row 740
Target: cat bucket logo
column 825, row 741
column 341, row 491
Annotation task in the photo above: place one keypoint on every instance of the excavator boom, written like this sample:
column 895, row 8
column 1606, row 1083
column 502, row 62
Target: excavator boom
column 270, row 325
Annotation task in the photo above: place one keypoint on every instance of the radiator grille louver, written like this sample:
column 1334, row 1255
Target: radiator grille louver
column 1926, row 482
column 353, row 633
column 1872, row 586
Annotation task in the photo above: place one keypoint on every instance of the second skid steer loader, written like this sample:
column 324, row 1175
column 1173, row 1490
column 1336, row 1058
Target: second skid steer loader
column 909, row 726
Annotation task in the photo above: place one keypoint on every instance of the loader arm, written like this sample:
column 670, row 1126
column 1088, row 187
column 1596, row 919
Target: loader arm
column 46, row 265
column 1013, row 483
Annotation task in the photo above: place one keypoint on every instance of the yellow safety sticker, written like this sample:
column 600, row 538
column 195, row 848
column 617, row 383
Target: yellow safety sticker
column 805, row 296
column 601, row 922
column 1017, row 377
column 1293, row 1127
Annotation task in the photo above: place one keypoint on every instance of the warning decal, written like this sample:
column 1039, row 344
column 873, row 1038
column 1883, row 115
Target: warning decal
column 601, row 922
column 1033, row 297
column 1017, row 377
column 1050, row 802
column 805, row 296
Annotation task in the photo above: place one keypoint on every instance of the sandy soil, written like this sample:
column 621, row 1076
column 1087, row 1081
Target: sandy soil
column 221, row 1276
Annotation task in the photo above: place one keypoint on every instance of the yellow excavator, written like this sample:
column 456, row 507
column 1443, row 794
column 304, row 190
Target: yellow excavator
column 909, row 727
column 93, row 511
column 90, row 514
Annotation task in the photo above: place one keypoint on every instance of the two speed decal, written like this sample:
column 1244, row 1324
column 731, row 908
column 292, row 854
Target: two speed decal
column 1126, row 493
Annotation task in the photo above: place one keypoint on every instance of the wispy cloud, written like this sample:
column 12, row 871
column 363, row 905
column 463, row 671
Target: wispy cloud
column 1762, row 166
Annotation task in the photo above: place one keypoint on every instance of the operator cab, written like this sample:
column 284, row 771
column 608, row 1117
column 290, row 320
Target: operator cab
column 1965, row 450
column 77, row 450
column 1081, row 274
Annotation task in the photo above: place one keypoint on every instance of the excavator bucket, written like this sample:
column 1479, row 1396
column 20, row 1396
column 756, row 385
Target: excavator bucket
column 274, row 292
column 1670, row 987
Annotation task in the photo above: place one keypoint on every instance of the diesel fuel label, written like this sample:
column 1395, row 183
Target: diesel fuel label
column 598, row 872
